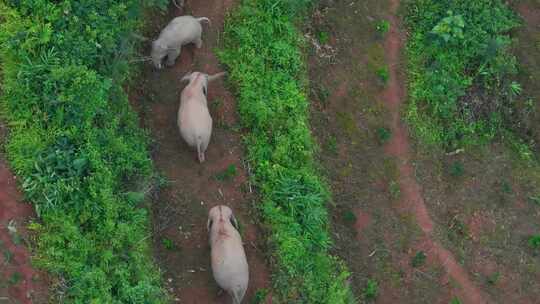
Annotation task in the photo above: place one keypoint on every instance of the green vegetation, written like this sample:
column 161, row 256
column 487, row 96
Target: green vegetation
column 349, row 217
column 263, row 54
column 227, row 174
column 260, row 296
column 419, row 259
column 494, row 278
column 456, row 169
column 15, row 278
column 460, row 71
column 395, row 190
column 383, row 26
column 383, row 74
column 455, row 301
column 383, row 134
column 535, row 199
column 331, row 145
column 75, row 144
column 323, row 37
column 168, row 244
column 371, row 291
column 534, row 242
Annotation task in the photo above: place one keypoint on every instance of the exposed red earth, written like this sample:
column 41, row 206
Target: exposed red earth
column 399, row 147
column 181, row 207
column 19, row 281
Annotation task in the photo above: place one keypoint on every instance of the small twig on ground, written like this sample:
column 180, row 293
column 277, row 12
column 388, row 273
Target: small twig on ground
column 461, row 150
column 221, row 193
column 249, row 177
column 375, row 251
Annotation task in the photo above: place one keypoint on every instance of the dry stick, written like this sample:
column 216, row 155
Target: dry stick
column 455, row 152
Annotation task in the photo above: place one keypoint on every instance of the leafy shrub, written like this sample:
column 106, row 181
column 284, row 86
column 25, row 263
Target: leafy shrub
column 534, row 242
column 349, row 217
column 460, row 70
column 262, row 52
column 76, row 145
column 371, row 291
column 419, row 259
column 384, row 134
column 323, row 37
column 383, row 26
column 383, row 74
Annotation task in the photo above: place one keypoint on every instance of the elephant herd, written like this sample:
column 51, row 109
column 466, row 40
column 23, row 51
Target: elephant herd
column 228, row 259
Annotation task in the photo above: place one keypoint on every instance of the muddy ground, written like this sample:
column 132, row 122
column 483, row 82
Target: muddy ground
column 428, row 227
column 181, row 206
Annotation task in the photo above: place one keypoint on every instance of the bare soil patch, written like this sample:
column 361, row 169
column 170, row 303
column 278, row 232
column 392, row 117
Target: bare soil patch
column 469, row 213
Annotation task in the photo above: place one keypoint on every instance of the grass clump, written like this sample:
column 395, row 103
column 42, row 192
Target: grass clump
column 371, row 291
column 455, row 300
column 419, row 259
column 227, row 174
column 263, row 53
column 383, row 74
column 457, row 169
column 460, row 71
column 534, row 242
column 383, row 134
column 394, row 189
column 382, row 26
column 76, row 146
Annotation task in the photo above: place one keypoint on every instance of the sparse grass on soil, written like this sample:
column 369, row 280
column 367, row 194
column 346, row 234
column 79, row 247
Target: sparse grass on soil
column 378, row 242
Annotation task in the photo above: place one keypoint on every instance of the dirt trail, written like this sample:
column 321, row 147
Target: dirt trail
column 19, row 282
column 398, row 146
column 180, row 209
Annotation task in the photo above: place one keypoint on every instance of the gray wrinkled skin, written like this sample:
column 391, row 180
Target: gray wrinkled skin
column 179, row 32
column 194, row 120
column 228, row 259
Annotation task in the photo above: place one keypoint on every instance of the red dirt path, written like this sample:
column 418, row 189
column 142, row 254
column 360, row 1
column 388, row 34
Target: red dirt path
column 181, row 208
column 411, row 192
column 19, row 282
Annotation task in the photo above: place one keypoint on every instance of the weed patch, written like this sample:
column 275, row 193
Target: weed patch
column 227, row 174
column 383, row 26
column 76, row 146
column 455, row 301
column 383, row 74
column 371, row 291
column 534, row 242
column 460, row 71
column 383, row 134
column 263, row 54
column 456, row 169
column 419, row 259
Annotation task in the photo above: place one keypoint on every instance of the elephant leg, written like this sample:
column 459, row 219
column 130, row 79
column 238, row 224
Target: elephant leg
column 172, row 55
column 198, row 43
